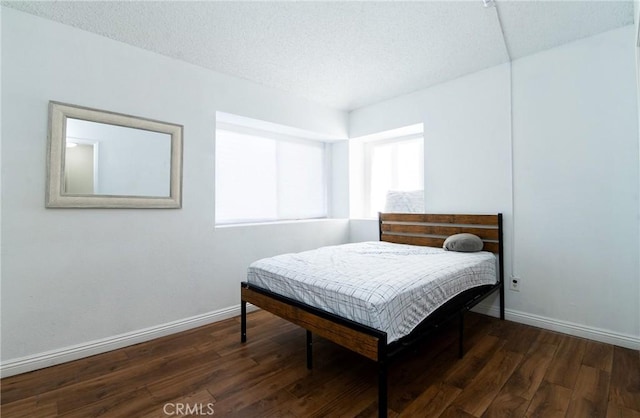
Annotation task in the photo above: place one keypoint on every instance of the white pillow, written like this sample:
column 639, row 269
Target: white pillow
column 404, row 202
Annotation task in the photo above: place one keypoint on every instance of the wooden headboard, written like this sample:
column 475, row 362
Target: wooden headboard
column 431, row 230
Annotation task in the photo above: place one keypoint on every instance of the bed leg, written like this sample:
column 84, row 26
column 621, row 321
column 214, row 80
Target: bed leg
column 243, row 321
column 461, row 336
column 309, row 350
column 382, row 378
column 382, row 389
column 502, row 301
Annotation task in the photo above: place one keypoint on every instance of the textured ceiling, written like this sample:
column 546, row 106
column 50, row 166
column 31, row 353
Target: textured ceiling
column 342, row 54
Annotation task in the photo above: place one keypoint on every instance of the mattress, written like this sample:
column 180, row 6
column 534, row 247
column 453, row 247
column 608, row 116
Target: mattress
column 386, row 286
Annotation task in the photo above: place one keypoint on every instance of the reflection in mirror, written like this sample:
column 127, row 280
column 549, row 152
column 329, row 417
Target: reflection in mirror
column 105, row 159
column 79, row 174
column 131, row 162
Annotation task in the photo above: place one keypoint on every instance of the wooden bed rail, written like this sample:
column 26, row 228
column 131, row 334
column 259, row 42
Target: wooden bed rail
column 356, row 337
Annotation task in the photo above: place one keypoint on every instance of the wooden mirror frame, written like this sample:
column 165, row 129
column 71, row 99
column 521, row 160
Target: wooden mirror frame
column 55, row 196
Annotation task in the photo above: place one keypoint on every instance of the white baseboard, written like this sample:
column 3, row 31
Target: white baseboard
column 75, row 352
column 565, row 327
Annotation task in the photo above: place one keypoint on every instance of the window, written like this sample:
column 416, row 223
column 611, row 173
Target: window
column 265, row 176
column 392, row 165
column 385, row 166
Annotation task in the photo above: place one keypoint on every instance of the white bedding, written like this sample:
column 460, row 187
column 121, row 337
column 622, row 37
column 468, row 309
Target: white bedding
column 389, row 287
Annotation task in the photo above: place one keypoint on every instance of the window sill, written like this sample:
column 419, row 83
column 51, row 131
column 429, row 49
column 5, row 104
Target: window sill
column 281, row 222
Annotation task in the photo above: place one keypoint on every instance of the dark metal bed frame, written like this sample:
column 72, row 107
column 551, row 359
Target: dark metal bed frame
column 416, row 229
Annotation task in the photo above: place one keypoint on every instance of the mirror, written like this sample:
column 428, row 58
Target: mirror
column 100, row 159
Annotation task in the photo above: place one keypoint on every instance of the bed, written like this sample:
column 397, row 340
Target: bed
column 380, row 298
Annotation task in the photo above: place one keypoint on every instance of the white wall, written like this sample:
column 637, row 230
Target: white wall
column 572, row 232
column 74, row 279
column 636, row 9
column 576, row 183
column 636, row 16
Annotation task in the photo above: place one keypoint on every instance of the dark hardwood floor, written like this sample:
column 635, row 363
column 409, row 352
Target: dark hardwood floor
column 509, row 370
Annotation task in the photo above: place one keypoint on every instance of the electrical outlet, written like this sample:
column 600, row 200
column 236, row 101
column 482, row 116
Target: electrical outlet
column 514, row 284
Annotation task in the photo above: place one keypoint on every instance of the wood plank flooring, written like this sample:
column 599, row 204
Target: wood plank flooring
column 509, row 370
